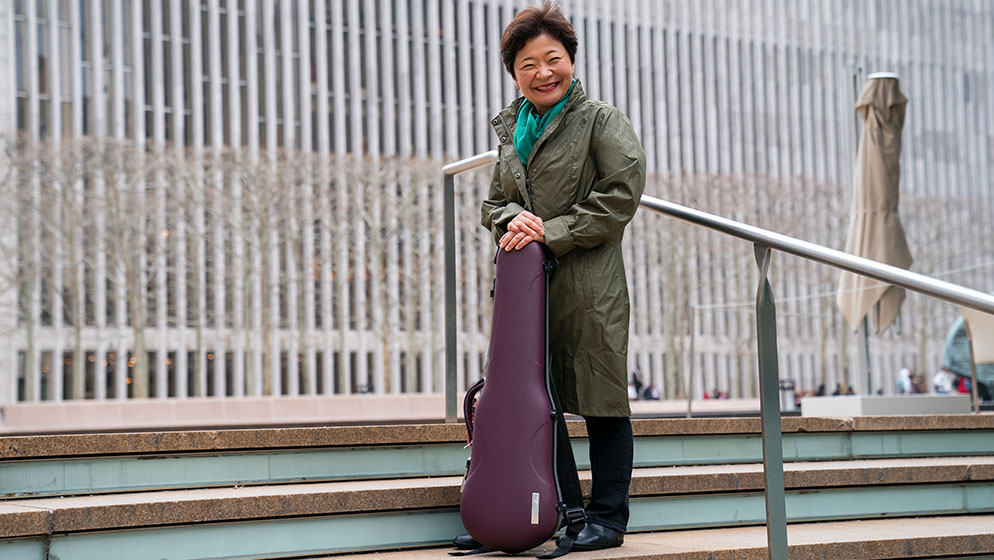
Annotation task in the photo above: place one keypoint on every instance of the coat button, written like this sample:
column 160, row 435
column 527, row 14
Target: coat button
column 494, row 121
column 517, row 175
column 503, row 139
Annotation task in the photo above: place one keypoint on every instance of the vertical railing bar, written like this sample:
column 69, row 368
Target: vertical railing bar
column 449, row 209
column 769, row 407
column 973, row 368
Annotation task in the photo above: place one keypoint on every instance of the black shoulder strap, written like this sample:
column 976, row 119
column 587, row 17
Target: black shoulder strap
column 481, row 550
column 567, row 479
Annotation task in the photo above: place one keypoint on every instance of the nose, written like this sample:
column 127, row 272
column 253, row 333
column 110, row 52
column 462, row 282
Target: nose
column 544, row 71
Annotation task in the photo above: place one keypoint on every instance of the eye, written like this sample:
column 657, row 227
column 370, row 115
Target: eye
column 555, row 59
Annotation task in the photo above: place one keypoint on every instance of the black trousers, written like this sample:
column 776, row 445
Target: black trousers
column 611, row 449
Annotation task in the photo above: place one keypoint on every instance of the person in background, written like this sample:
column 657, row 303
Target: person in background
column 905, row 385
column 637, row 382
column 943, row 382
column 651, row 393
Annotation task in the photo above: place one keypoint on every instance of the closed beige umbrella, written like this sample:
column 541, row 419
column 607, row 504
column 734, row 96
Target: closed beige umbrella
column 875, row 230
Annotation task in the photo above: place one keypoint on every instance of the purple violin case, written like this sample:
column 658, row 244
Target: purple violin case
column 510, row 495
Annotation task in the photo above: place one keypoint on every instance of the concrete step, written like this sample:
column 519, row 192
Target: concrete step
column 949, row 538
column 397, row 513
column 291, row 492
column 65, row 465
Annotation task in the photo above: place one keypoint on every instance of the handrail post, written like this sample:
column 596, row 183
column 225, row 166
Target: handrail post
column 973, row 368
column 449, row 209
column 769, row 409
column 449, row 172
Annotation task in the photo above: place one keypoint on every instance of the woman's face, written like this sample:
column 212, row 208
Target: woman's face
column 543, row 72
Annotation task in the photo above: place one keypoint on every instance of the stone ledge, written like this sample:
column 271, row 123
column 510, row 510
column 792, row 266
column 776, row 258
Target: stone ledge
column 856, row 406
column 76, row 445
column 144, row 414
column 878, row 539
column 54, row 417
column 30, row 517
column 23, row 520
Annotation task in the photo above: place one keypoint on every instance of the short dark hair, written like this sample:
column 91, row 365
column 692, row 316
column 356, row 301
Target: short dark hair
column 532, row 22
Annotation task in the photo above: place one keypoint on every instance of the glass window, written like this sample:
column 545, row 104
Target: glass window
column 128, row 35
column 85, row 78
column 65, row 69
column 108, row 30
column 19, row 57
column 127, row 105
column 21, row 113
column 44, row 108
column 84, row 32
column 66, row 119
column 43, row 66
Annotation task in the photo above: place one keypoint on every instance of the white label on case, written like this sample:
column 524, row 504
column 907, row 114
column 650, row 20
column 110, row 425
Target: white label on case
column 536, row 497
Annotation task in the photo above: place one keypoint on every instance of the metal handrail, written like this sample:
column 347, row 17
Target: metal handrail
column 479, row 160
column 764, row 241
column 900, row 277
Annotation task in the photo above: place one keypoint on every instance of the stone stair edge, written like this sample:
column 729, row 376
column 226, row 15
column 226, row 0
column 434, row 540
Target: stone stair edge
column 38, row 516
column 234, row 439
column 877, row 539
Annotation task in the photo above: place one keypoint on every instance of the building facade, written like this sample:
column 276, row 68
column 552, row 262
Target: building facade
column 242, row 197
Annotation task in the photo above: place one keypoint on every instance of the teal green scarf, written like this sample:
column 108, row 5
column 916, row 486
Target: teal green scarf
column 531, row 125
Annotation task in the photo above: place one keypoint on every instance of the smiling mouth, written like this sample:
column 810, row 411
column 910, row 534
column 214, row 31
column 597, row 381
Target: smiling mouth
column 547, row 88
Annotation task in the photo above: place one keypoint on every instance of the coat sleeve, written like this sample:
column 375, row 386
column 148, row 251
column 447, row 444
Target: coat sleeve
column 496, row 210
column 611, row 204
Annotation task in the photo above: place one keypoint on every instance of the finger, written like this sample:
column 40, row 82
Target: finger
column 526, row 229
column 512, row 243
column 522, row 243
column 534, row 224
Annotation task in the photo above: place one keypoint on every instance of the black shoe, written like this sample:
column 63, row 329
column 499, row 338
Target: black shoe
column 596, row 537
column 466, row 542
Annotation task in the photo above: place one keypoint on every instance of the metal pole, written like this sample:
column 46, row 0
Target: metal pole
column 690, row 362
column 864, row 353
column 864, row 344
column 769, row 409
column 449, row 209
column 973, row 368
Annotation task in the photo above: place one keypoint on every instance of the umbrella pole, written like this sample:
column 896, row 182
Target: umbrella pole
column 864, row 345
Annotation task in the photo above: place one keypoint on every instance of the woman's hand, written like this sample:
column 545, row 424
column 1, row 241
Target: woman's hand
column 523, row 229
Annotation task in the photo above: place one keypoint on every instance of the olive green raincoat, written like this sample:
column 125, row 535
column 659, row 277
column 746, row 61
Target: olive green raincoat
column 584, row 178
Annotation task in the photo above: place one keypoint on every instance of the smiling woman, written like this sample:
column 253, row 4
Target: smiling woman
column 570, row 173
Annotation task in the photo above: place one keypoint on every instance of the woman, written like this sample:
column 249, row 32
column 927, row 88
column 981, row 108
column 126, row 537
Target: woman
column 570, row 174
